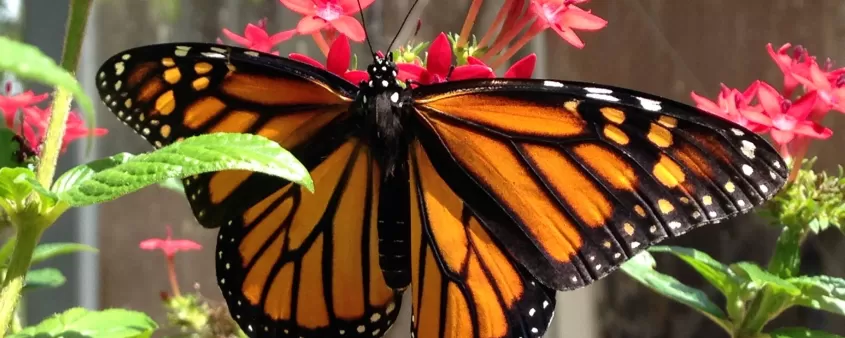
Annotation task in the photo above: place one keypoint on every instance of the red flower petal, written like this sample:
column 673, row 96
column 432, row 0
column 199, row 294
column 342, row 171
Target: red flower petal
column 350, row 27
column 356, row 76
column 522, row 69
column 310, row 24
column 339, row 53
column 471, row 72
column 802, row 107
column 351, row 6
column 304, row 7
column 769, row 98
column 439, row 59
column 282, row 36
column 305, row 59
column 410, row 71
column 812, row 129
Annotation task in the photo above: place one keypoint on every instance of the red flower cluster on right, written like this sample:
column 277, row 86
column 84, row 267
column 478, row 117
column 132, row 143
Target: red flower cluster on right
column 791, row 120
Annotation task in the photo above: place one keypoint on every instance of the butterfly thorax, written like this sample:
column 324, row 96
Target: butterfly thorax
column 384, row 105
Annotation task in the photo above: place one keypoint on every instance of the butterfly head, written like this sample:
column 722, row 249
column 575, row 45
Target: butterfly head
column 382, row 72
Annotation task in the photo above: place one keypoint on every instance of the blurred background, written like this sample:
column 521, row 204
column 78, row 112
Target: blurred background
column 665, row 47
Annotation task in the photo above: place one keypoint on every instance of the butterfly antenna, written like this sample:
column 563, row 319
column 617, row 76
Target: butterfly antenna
column 390, row 47
column 366, row 34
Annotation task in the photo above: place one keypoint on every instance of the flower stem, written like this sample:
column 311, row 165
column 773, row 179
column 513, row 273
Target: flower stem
column 171, row 274
column 506, row 38
column 52, row 143
column 321, row 42
column 75, row 33
column 524, row 40
column 27, row 238
column 469, row 22
column 500, row 17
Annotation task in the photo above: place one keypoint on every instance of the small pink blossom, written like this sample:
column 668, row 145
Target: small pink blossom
column 10, row 105
column 256, row 37
column 337, row 61
column 733, row 105
column 564, row 17
column 790, row 64
column 318, row 14
column 831, row 91
column 787, row 119
column 168, row 245
column 75, row 127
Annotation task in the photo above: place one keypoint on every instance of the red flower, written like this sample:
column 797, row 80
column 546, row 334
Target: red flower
column 75, row 127
column 337, row 61
column 831, row 91
column 438, row 66
column 790, row 65
column 256, row 37
column 169, row 246
column 733, row 105
column 521, row 69
column 318, row 14
column 9, row 105
column 564, row 18
column 785, row 118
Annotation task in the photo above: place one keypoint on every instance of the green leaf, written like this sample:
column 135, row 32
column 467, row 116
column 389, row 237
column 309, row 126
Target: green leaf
column 79, row 323
column 14, row 184
column 26, row 61
column 82, row 173
column 753, row 272
column 801, row 332
column 192, row 156
column 46, row 251
column 44, row 278
column 716, row 273
column 821, row 292
column 641, row 268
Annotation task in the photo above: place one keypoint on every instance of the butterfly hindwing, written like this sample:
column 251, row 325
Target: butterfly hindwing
column 576, row 178
column 464, row 284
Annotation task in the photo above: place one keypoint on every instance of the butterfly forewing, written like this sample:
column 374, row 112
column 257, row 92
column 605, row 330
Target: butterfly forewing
column 575, row 178
column 290, row 263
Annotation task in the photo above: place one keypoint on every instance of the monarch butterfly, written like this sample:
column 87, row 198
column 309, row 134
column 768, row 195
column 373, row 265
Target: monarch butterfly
column 483, row 196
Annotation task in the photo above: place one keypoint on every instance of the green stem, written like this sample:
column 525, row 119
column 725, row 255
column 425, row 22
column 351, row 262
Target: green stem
column 27, row 238
column 52, row 143
column 786, row 259
column 74, row 33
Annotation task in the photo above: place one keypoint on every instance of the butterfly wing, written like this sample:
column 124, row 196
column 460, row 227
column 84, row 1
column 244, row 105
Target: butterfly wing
column 464, row 283
column 575, row 178
column 289, row 263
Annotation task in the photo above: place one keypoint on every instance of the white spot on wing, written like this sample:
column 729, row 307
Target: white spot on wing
column 553, row 84
column 748, row 148
column 747, row 170
column 737, row 132
column 595, row 90
column 649, row 104
column 603, row 97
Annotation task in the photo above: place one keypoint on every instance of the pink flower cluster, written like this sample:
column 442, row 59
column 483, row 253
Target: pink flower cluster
column 35, row 119
column 791, row 119
column 332, row 23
